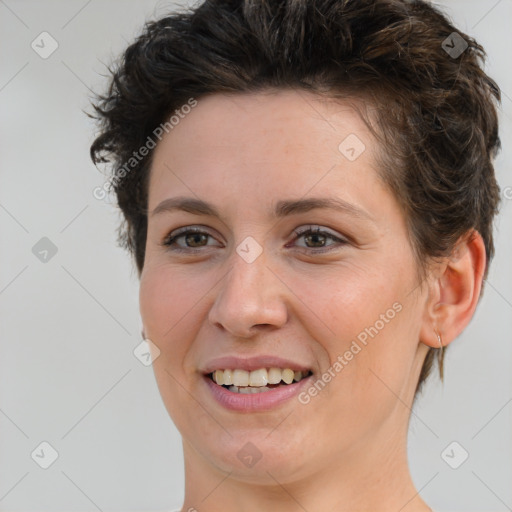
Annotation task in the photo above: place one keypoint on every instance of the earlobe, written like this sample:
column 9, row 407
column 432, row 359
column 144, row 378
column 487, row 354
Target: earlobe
column 455, row 291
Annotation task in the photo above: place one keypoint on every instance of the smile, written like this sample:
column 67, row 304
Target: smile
column 258, row 390
column 256, row 381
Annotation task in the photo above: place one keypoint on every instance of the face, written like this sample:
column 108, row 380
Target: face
column 271, row 279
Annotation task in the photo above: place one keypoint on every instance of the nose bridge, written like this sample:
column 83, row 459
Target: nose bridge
column 249, row 264
column 249, row 293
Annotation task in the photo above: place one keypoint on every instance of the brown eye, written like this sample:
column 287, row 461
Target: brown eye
column 194, row 238
column 316, row 238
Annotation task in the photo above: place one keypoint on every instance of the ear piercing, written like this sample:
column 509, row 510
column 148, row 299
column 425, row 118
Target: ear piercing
column 440, row 340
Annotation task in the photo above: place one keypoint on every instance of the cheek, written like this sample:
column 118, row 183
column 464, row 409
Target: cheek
column 166, row 307
column 155, row 299
column 371, row 327
column 163, row 301
column 165, row 297
column 346, row 300
column 173, row 309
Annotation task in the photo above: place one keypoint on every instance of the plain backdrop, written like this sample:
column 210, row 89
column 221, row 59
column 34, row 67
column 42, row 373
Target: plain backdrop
column 69, row 296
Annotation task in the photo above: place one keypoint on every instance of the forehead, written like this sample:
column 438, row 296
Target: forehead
column 284, row 137
column 270, row 117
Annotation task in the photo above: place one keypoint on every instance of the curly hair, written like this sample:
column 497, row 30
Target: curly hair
column 436, row 109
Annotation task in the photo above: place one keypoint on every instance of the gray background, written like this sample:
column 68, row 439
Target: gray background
column 69, row 325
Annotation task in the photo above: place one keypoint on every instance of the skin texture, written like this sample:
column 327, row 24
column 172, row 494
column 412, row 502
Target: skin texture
column 345, row 450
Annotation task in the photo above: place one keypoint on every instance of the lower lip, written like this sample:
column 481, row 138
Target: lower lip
column 263, row 401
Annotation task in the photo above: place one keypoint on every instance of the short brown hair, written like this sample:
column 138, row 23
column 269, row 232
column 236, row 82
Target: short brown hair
column 436, row 105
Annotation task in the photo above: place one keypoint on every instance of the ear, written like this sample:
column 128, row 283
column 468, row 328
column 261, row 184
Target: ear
column 454, row 290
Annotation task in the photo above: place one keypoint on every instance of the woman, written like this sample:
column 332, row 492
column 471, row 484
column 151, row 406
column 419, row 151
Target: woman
column 308, row 192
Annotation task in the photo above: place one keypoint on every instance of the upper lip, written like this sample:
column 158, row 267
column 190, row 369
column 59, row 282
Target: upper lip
column 252, row 363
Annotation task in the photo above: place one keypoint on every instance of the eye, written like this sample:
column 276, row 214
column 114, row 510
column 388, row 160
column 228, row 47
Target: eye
column 194, row 238
column 318, row 238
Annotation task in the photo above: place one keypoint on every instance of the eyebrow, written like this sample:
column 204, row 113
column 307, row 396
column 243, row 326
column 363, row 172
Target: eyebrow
column 282, row 208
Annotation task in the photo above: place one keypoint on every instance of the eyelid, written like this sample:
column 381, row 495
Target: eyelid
column 314, row 228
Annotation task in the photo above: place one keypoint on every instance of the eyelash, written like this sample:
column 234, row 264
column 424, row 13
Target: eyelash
column 169, row 241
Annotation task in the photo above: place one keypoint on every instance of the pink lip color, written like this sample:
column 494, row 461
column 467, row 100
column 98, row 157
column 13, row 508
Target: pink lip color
column 257, row 401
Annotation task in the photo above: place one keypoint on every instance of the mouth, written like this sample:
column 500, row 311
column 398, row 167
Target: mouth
column 254, row 384
column 256, row 381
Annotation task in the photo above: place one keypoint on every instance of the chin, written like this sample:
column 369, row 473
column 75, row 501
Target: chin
column 259, row 455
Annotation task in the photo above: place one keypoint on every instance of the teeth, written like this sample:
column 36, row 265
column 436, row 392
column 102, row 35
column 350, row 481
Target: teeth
column 248, row 389
column 258, row 378
column 248, row 382
column 288, row 375
column 240, row 377
column 228, row 377
column 274, row 376
column 218, row 377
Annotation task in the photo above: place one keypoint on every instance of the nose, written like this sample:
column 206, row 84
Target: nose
column 250, row 297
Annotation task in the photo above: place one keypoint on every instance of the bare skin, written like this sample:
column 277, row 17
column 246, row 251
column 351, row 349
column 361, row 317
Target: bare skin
column 345, row 449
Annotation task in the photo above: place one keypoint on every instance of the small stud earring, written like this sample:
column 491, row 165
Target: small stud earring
column 440, row 340
column 440, row 355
